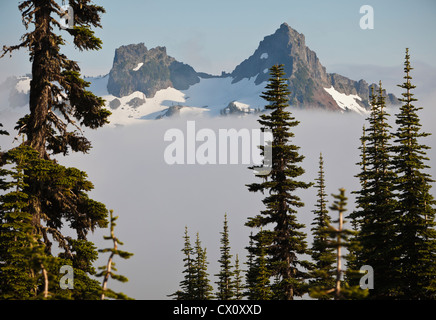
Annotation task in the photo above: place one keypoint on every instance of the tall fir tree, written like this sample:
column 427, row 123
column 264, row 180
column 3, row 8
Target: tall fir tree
column 202, row 289
column 225, row 284
column 60, row 105
column 376, row 216
column 281, row 185
column 416, row 205
column 59, row 101
column 187, row 285
column 322, row 253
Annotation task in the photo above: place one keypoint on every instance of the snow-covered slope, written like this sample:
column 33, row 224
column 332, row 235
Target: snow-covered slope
column 208, row 97
column 346, row 102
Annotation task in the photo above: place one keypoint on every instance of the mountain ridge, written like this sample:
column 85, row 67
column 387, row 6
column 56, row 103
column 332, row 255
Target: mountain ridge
column 148, row 84
column 309, row 80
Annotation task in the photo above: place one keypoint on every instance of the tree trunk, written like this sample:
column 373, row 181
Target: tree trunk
column 39, row 102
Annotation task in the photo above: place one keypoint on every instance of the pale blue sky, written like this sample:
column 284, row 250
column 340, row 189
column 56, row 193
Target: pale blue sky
column 214, row 36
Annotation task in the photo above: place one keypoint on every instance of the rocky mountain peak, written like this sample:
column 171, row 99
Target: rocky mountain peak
column 136, row 68
column 306, row 74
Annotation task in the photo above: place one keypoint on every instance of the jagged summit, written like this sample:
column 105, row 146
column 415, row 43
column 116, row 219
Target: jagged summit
column 307, row 76
column 136, row 68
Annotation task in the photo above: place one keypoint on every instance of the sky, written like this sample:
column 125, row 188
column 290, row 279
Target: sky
column 215, row 36
column 156, row 201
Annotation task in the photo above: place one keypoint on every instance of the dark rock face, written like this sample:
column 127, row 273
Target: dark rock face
column 135, row 68
column 136, row 102
column 114, row 104
column 182, row 75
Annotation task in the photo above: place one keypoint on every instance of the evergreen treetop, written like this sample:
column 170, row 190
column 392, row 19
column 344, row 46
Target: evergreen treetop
column 225, row 276
column 322, row 253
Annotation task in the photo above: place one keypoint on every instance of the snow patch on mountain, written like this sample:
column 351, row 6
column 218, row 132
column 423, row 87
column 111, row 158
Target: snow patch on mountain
column 243, row 106
column 138, row 66
column 346, row 102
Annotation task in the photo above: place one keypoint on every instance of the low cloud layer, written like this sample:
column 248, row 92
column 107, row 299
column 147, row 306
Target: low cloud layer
column 155, row 201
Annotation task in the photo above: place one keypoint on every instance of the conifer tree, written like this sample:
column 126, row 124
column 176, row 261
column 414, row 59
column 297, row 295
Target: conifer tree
column 282, row 202
column 363, row 175
column 239, row 294
column 376, row 217
column 60, row 105
column 251, row 273
column 202, row 289
column 187, row 285
column 225, row 276
column 321, row 252
column 416, row 205
column 196, row 284
column 108, row 270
